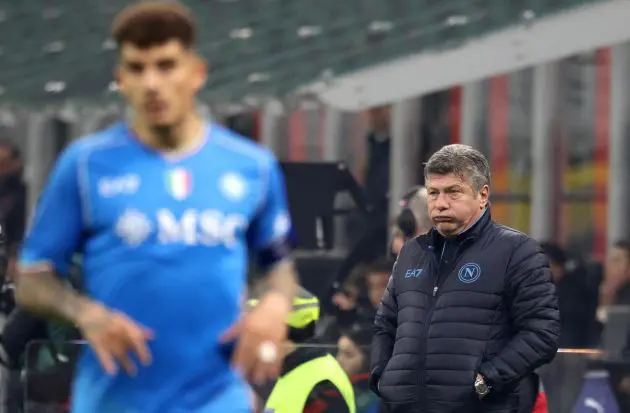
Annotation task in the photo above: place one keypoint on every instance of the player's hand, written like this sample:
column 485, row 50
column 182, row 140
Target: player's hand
column 113, row 337
column 264, row 325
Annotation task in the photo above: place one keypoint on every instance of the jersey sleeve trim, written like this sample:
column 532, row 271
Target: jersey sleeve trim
column 83, row 183
column 83, row 172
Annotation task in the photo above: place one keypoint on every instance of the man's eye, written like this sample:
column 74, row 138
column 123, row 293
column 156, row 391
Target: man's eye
column 166, row 65
column 135, row 67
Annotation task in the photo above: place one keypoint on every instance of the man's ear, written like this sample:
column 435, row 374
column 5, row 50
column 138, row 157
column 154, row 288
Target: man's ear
column 201, row 72
column 117, row 79
column 484, row 195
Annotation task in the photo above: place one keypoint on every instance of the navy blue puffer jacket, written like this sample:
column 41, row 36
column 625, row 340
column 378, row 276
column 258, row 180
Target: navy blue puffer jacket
column 482, row 302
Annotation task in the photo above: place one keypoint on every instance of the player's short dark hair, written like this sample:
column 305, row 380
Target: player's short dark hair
column 154, row 23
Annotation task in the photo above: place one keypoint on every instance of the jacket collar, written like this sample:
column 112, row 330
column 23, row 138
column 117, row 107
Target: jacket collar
column 432, row 239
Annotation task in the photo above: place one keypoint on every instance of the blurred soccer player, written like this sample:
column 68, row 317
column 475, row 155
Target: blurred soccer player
column 164, row 211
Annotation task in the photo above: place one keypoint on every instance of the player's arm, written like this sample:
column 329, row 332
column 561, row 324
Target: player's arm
column 269, row 236
column 57, row 229
column 264, row 329
column 54, row 235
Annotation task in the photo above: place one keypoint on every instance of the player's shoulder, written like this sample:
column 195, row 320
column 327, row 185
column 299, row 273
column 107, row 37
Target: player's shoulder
column 241, row 147
column 114, row 136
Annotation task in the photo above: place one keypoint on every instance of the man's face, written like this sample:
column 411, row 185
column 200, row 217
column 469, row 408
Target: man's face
column 453, row 203
column 346, row 299
column 377, row 283
column 8, row 165
column 160, row 82
column 618, row 264
column 557, row 270
column 379, row 119
column 398, row 241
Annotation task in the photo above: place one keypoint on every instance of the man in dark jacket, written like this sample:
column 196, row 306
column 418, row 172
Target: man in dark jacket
column 470, row 310
column 12, row 194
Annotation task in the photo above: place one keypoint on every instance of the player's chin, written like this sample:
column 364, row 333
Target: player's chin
column 160, row 121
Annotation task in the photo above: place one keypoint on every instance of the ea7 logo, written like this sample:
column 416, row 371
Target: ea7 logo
column 415, row 273
column 119, row 185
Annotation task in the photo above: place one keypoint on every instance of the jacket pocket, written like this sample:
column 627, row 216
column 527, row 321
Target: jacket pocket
column 394, row 390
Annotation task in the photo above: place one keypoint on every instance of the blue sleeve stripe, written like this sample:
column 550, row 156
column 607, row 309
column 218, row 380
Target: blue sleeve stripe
column 83, row 174
column 83, row 182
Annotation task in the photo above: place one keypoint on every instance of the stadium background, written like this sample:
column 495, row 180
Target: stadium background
column 541, row 86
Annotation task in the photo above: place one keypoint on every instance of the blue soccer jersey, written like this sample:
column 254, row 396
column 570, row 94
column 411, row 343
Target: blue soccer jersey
column 166, row 242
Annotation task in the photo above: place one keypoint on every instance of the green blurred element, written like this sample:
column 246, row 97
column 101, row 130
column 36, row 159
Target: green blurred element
column 304, row 313
column 255, row 47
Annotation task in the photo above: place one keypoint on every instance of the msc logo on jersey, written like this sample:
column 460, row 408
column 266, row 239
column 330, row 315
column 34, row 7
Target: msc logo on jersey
column 415, row 273
column 469, row 273
column 207, row 227
column 193, row 227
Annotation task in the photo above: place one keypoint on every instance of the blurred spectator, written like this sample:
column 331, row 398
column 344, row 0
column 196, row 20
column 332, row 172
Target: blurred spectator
column 577, row 301
column 346, row 306
column 377, row 278
column 44, row 350
column 412, row 220
column 615, row 288
column 377, row 168
column 12, row 194
column 353, row 355
column 346, row 300
column 356, row 300
column 369, row 236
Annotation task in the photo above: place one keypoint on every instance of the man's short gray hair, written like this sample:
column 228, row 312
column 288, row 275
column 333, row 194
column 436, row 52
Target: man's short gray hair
column 462, row 160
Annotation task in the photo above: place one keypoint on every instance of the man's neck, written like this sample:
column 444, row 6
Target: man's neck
column 469, row 225
column 180, row 137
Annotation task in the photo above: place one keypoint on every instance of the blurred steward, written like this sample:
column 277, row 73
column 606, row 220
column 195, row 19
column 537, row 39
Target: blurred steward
column 309, row 370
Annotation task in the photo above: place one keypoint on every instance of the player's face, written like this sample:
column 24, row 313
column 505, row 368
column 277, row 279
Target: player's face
column 160, row 82
column 453, row 203
column 617, row 264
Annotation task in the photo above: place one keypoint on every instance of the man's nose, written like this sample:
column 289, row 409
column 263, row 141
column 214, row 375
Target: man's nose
column 151, row 80
column 441, row 202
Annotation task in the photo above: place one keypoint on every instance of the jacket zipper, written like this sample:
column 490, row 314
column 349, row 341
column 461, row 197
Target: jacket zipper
column 427, row 321
column 436, row 286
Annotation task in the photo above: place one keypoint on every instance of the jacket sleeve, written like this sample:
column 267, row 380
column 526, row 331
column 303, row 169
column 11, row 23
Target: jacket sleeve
column 533, row 309
column 385, row 323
